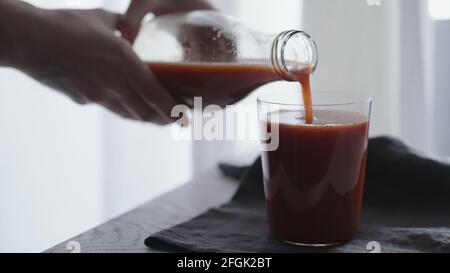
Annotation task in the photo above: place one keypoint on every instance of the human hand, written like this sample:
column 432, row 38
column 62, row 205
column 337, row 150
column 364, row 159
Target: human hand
column 78, row 53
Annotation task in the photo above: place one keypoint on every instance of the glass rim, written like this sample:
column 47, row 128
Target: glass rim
column 364, row 99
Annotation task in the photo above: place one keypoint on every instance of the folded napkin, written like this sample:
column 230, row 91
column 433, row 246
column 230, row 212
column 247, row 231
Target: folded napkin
column 406, row 209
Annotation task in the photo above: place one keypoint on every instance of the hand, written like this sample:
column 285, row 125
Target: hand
column 77, row 53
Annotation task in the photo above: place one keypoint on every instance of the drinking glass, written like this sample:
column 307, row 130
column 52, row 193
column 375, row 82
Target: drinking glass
column 314, row 173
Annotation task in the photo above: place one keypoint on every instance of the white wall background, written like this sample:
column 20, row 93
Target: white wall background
column 66, row 168
column 358, row 49
column 50, row 165
column 397, row 53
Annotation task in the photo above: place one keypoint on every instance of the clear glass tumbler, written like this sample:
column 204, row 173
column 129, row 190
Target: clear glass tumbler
column 314, row 173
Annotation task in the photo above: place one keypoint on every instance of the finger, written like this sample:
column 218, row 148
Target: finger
column 161, row 7
column 150, row 114
column 124, row 99
column 118, row 108
column 129, row 26
column 109, row 19
column 102, row 18
column 117, row 101
column 138, row 109
column 149, row 89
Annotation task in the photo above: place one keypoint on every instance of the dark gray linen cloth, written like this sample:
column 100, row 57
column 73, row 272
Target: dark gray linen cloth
column 406, row 209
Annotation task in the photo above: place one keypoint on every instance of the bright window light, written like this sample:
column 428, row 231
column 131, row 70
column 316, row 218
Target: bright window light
column 439, row 9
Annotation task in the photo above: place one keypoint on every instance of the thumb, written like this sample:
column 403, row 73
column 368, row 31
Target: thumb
column 101, row 18
column 130, row 24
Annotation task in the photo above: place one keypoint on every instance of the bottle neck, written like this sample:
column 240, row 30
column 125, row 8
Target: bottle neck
column 294, row 52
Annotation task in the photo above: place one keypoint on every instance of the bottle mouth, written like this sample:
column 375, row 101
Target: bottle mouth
column 294, row 51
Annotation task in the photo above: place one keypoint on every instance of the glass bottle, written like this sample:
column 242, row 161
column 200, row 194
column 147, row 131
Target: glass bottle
column 212, row 55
